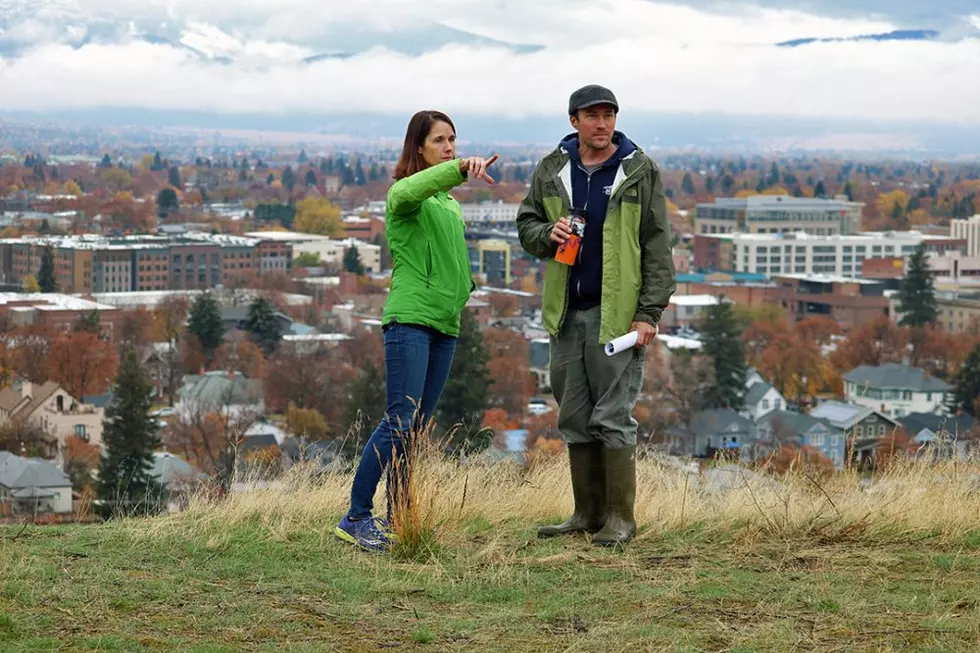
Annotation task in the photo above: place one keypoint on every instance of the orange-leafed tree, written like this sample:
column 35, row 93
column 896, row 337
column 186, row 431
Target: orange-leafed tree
column 83, row 363
column 240, row 354
column 875, row 342
column 80, row 459
column 137, row 328
column 807, row 460
column 32, row 350
column 504, row 305
column 508, row 367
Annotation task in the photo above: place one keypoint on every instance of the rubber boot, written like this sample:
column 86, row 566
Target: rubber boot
column 620, row 526
column 588, row 489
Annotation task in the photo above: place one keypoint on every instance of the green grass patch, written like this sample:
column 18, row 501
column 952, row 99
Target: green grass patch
column 110, row 588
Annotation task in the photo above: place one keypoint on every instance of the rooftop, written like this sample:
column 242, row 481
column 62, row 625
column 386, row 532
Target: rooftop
column 53, row 302
column 781, row 202
column 286, row 236
column 895, row 376
column 695, row 300
column 139, row 241
column 827, row 278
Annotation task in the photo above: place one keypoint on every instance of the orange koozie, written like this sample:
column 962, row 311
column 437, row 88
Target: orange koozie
column 568, row 251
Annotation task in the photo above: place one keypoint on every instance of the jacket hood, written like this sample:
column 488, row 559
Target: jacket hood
column 624, row 147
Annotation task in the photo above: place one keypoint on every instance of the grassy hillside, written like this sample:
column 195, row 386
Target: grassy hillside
column 730, row 562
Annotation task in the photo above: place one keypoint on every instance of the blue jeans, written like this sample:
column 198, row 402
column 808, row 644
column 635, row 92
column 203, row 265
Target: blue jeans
column 417, row 363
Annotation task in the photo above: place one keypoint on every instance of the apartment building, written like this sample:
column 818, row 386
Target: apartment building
column 969, row 230
column 779, row 214
column 492, row 212
column 846, row 300
column 95, row 264
column 331, row 251
column 803, row 253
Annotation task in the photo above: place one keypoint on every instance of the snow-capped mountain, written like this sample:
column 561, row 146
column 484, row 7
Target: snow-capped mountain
column 30, row 24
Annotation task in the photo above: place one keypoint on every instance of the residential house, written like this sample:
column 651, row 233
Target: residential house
column 29, row 486
column 230, row 393
column 52, row 409
column 863, row 427
column 946, row 435
column 179, row 478
column 722, row 429
column 782, row 427
column 895, row 389
column 761, row 398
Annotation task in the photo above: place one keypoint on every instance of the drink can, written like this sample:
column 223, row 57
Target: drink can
column 568, row 251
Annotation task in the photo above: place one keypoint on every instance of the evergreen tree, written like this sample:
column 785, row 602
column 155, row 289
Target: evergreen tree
column 89, row 322
column 271, row 178
column 45, row 227
column 365, row 408
column 129, row 437
column 167, row 202
column 45, row 276
column 310, row 178
column 965, row 396
column 106, row 162
column 820, row 190
column 289, row 178
column 352, row 260
column 373, row 173
column 173, row 177
column 204, row 323
column 263, row 326
column 157, row 162
column 723, row 343
column 244, row 163
column 348, row 176
column 773, row 177
column 917, row 296
column 849, row 191
column 687, row 184
column 302, row 158
column 467, row 391
column 709, row 184
column 359, row 174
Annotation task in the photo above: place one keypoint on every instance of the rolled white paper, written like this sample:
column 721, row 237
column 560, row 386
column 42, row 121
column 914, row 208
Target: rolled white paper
column 622, row 342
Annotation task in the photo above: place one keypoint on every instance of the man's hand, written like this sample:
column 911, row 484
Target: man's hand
column 561, row 231
column 645, row 333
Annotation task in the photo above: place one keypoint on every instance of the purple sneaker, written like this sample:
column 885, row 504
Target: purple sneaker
column 363, row 533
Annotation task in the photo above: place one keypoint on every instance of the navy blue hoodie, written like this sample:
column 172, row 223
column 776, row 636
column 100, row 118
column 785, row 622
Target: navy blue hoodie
column 591, row 192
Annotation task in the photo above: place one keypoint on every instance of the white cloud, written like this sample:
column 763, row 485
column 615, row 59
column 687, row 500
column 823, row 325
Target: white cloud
column 657, row 57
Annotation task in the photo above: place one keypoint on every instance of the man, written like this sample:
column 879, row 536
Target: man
column 621, row 281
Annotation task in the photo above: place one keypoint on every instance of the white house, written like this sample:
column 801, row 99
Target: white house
column 895, row 390
column 761, row 398
column 29, row 486
column 231, row 394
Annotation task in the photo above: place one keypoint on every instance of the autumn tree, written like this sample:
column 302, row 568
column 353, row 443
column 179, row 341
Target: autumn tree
column 30, row 284
column 169, row 316
column 316, row 215
column 136, row 329
column 306, row 423
column 80, row 459
column 25, row 439
column 82, row 363
column 874, row 342
column 467, row 391
column 126, row 485
column 504, row 305
column 508, row 367
column 241, row 354
column 45, row 277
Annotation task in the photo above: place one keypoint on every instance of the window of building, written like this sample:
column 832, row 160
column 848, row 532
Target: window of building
column 81, row 432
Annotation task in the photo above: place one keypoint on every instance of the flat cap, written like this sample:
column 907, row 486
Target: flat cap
column 590, row 96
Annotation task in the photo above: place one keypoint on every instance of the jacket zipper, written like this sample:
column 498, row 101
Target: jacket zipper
column 581, row 251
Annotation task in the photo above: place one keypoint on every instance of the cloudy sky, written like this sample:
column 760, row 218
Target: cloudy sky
column 494, row 57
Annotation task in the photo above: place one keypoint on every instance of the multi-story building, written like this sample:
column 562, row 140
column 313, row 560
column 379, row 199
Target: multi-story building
column 969, row 230
column 96, row 264
column 492, row 212
column 330, row 250
column 493, row 259
column 849, row 301
column 802, row 253
column 779, row 214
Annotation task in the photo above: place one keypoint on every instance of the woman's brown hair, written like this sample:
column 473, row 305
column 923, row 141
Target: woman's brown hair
column 418, row 130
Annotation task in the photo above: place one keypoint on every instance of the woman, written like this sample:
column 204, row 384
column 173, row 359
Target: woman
column 430, row 285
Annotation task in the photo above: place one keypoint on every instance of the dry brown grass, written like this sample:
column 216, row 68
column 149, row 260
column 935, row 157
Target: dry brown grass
column 908, row 500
